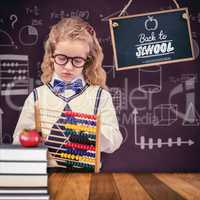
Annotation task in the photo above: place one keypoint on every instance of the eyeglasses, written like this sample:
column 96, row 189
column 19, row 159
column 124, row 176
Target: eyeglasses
column 77, row 62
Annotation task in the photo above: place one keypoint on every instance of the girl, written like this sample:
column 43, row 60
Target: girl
column 73, row 80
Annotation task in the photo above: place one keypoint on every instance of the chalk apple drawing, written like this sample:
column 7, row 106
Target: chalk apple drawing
column 151, row 24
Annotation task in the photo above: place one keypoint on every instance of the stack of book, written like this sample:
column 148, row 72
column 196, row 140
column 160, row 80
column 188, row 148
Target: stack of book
column 23, row 173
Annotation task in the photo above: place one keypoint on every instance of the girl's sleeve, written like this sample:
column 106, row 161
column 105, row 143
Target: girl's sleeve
column 110, row 135
column 26, row 119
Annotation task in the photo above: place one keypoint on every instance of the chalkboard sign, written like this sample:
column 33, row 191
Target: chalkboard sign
column 151, row 39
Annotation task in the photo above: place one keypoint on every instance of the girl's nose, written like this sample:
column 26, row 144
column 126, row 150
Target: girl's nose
column 69, row 65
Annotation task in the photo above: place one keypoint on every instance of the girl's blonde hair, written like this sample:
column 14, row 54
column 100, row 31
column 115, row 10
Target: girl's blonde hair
column 75, row 28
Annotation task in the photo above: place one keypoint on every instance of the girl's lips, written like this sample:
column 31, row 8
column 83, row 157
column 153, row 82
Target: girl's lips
column 67, row 74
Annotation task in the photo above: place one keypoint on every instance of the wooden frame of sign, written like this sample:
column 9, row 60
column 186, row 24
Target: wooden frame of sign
column 150, row 39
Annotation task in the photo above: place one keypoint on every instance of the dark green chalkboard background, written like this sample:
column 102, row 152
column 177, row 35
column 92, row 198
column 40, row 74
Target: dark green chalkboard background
column 126, row 37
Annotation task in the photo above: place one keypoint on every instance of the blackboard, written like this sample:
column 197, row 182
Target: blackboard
column 152, row 38
column 167, row 98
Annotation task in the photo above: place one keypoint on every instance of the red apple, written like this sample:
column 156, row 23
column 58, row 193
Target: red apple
column 30, row 138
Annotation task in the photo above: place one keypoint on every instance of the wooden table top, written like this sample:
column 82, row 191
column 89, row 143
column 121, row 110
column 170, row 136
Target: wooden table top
column 124, row 186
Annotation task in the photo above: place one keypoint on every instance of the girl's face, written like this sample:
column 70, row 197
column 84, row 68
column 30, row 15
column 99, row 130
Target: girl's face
column 69, row 58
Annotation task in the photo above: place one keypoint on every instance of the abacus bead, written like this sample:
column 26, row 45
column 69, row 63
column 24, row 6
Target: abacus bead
column 71, row 150
column 91, row 148
column 67, row 126
column 76, row 164
column 91, row 130
column 80, row 164
column 69, row 163
column 75, row 128
column 88, row 116
column 78, row 114
column 74, row 120
column 88, row 129
column 87, row 153
column 79, row 128
column 72, row 145
column 61, row 155
column 66, row 163
column 77, row 157
column 71, row 113
column 72, row 163
column 81, row 159
column 70, row 131
column 91, row 155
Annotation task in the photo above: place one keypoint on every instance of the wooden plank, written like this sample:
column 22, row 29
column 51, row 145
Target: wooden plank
column 156, row 188
column 54, row 183
column 76, row 186
column 191, row 178
column 129, row 188
column 185, row 189
column 103, row 187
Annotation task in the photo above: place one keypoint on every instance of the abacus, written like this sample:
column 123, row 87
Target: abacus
column 74, row 141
